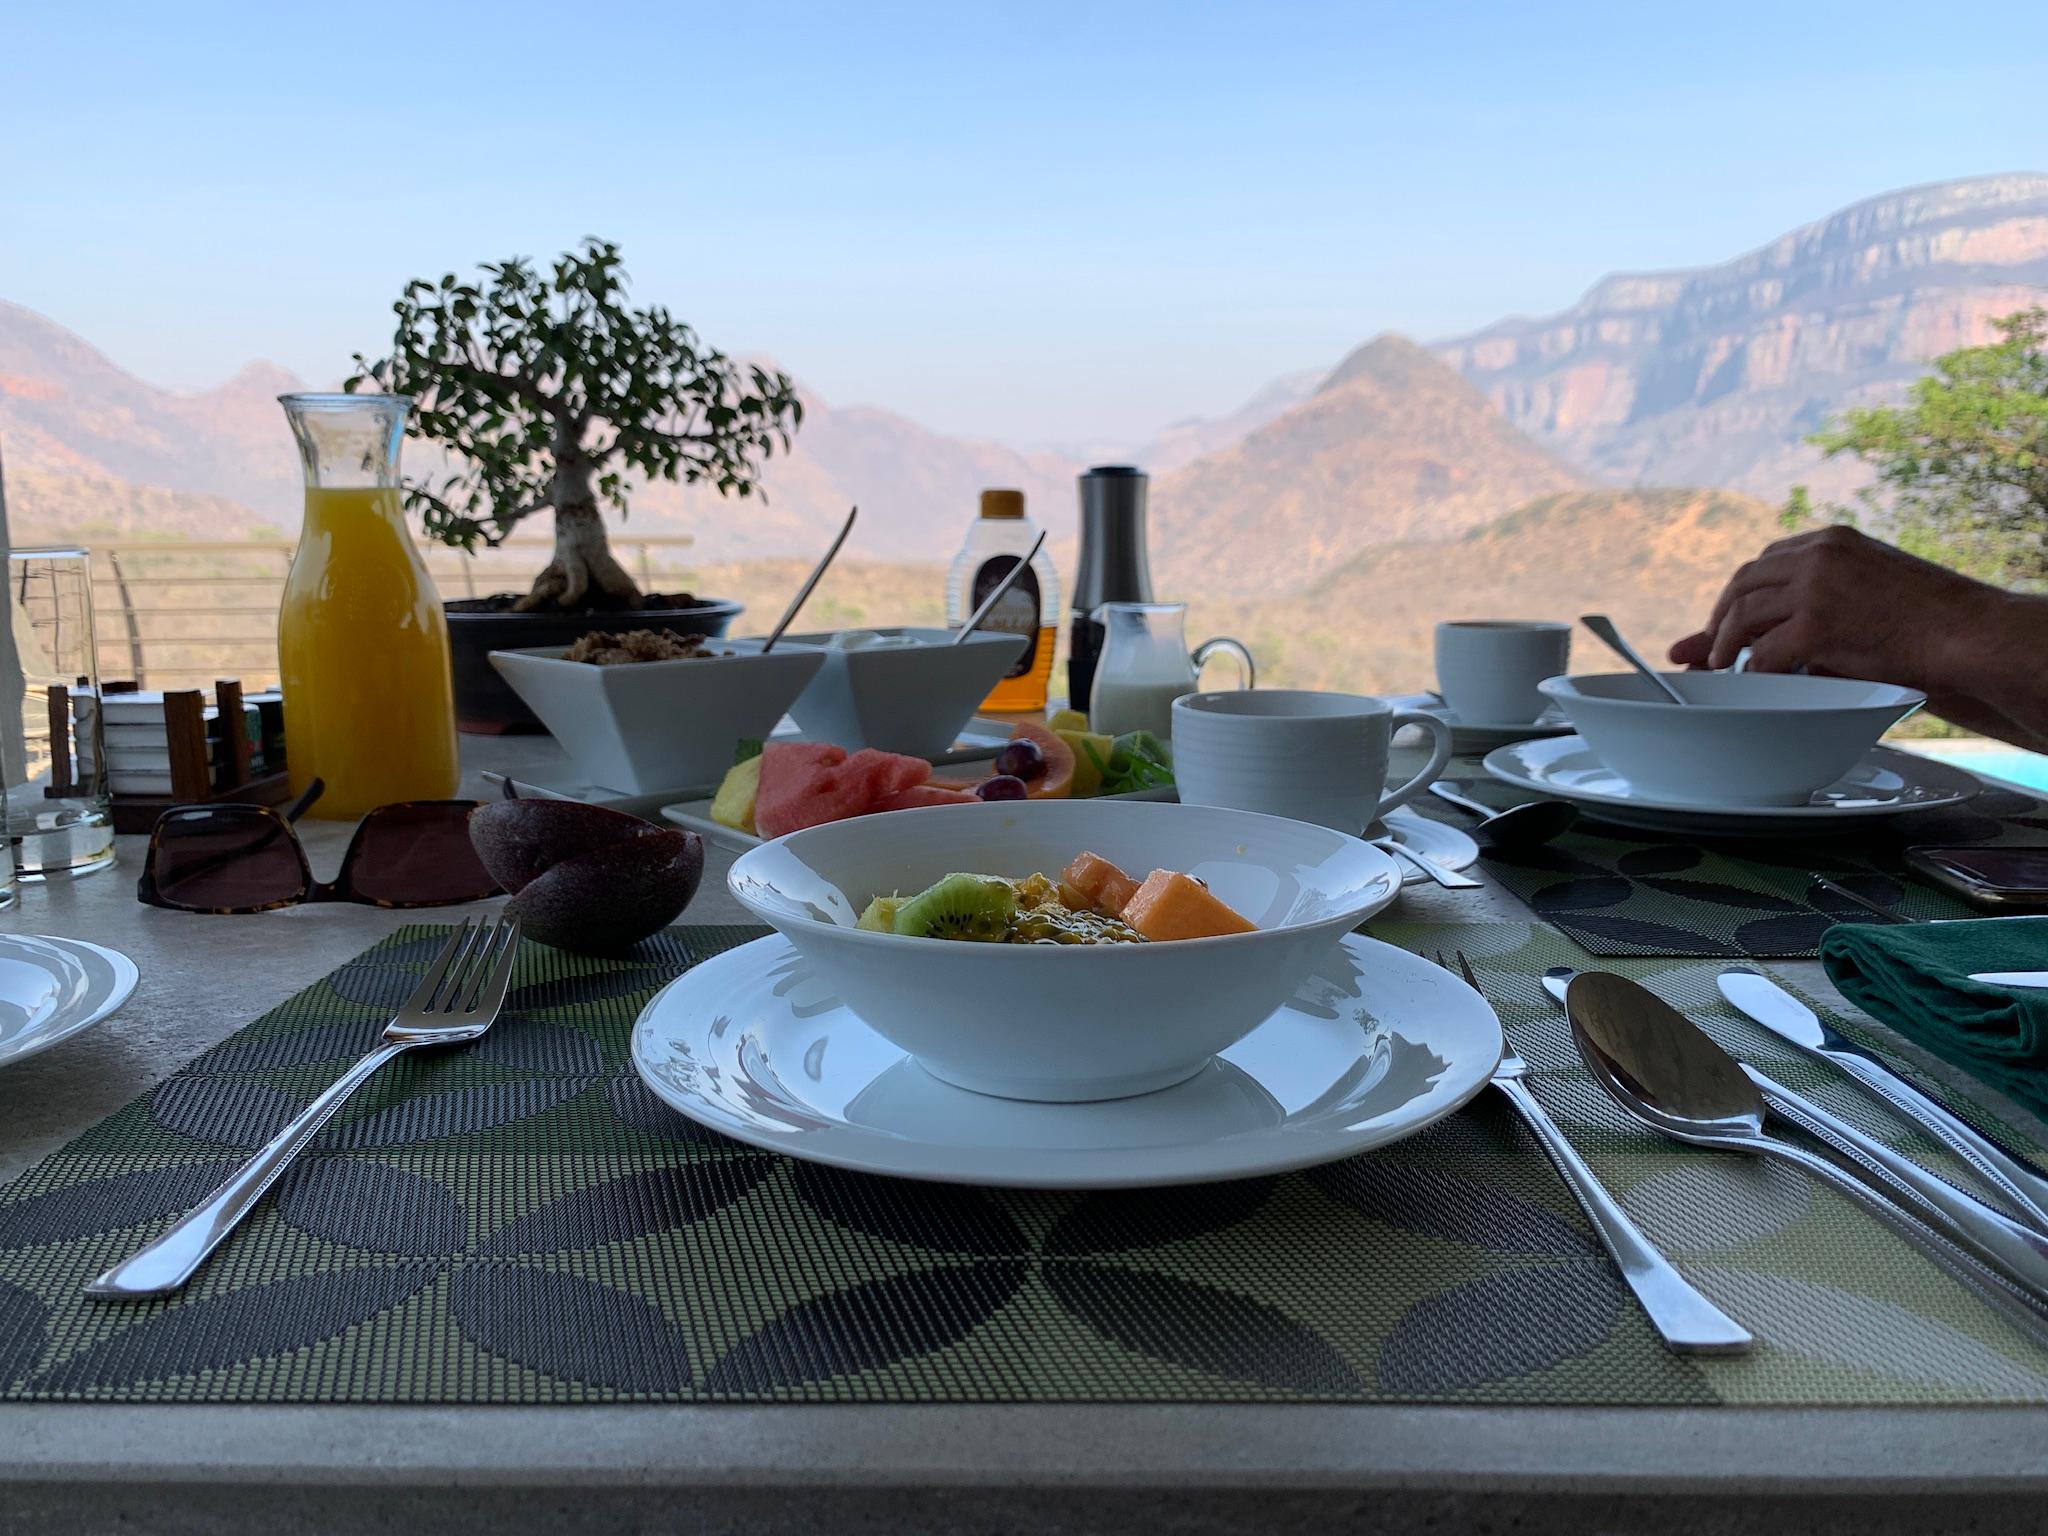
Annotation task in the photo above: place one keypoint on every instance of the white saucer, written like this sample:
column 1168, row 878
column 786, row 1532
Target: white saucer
column 1470, row 736
column 52, row 988
column 1375, row 1045
column 1885, row 783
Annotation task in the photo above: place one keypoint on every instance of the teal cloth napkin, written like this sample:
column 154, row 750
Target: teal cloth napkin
column 1916, row 978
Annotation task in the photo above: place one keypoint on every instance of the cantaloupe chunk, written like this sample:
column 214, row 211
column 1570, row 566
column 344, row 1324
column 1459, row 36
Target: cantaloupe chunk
column 1100, row 884
column 1170, row 905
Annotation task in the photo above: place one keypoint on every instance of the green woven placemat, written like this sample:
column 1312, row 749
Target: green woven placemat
column 521, row 1222
column 1619, row 891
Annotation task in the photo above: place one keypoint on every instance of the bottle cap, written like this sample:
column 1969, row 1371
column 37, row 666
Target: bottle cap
column 1002, row 503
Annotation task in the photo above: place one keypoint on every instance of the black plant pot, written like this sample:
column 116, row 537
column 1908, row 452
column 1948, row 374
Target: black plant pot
column 485, row 704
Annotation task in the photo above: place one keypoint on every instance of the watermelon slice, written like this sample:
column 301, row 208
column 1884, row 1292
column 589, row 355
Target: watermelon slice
column 919, row 795
column 890, row 773
column 805, row 784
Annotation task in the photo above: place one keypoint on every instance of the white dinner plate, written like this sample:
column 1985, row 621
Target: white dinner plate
column 1375, row 1045
column 1470, row 736
column 1434, row 840
column 1885, row 783
column 51, row 988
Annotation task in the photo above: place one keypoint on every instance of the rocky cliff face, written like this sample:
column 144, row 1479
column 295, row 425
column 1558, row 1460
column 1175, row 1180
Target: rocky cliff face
column 1712, row 376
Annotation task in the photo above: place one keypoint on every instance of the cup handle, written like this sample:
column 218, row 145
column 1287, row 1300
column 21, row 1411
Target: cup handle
column 1440, row 755
column 1247, row 675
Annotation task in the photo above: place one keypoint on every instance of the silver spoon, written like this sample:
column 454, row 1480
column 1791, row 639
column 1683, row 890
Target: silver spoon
column 1010, row 580
column 1449, row 879
column 2015, row 1250
column 803, row 593
column 1520, row 826
column 1672, row 1077
column 1603, row 626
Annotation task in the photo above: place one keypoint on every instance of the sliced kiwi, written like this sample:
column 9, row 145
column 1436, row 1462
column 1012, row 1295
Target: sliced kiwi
column 880, row 916
column 960, row 907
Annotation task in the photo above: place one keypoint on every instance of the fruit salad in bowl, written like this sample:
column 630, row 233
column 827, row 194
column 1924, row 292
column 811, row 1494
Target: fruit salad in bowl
column 1174, row 930
column 1093, row 902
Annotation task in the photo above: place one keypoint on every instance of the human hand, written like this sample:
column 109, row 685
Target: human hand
column 1837, row 601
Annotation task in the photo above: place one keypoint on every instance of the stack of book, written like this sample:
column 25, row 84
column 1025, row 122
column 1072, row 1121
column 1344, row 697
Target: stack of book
column 136, row 739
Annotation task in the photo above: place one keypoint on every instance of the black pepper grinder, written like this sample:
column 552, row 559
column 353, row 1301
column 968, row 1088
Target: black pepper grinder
column 1113, row 567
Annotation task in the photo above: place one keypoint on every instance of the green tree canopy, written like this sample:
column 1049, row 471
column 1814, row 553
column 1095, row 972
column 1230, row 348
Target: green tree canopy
column 547, row 392
column 1962, row 466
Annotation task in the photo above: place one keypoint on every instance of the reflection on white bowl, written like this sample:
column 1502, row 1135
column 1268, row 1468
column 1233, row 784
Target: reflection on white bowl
column 648, row 726
column 913, row 698
column 1742, row 738
column 1064, row 1022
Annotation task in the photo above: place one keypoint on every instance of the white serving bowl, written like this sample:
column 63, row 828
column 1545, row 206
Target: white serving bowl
column 654, row 725
column 1066, row 1022
column 910, row 699
column 1742, row 738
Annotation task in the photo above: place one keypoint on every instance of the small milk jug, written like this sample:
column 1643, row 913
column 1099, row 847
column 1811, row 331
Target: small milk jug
column 1146, row 665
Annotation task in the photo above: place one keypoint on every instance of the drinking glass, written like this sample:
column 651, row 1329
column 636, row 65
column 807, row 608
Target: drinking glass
column 59, row 818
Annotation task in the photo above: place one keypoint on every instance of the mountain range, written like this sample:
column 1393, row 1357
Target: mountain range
column 1712, row 376
column 1703, row 378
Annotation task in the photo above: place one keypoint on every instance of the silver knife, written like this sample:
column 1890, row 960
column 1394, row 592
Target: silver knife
column 2011, row 978
column 1756, row 995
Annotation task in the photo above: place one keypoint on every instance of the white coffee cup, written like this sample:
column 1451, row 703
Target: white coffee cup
column 1487, row 669
column 1318, row 757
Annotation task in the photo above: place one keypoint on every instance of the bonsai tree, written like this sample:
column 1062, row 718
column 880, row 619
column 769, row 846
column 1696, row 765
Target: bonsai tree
column 547, row 392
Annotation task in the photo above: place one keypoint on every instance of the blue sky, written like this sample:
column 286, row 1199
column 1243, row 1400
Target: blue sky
column 1024, row 221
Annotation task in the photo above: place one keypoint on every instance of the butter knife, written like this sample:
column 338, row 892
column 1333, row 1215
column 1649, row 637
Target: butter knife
column 1757, row 996
column 2011, row 978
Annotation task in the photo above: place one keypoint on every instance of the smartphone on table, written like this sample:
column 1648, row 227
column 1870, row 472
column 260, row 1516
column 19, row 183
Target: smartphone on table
column 2007, row 879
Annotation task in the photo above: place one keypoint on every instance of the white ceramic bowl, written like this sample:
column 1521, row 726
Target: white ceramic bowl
column 655, row 725
column 1743, row 738
column 1066, row 1022
column 911, row 699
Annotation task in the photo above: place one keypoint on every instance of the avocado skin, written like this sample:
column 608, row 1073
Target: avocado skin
column 586, row 878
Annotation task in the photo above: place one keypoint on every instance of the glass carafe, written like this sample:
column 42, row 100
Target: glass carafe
column 362, row 643
column 1146, row 665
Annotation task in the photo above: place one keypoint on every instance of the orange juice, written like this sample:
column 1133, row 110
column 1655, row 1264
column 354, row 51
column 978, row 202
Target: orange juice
column 362, row 649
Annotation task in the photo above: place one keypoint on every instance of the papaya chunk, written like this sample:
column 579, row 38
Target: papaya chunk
column 1101, row 886
column 1170, row 905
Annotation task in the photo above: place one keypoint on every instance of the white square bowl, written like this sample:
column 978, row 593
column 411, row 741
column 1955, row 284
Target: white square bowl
column 648, row 726
column 910, row 699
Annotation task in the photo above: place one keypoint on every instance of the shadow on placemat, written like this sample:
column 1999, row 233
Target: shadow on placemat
column 1621, row 891
column 523, row 1222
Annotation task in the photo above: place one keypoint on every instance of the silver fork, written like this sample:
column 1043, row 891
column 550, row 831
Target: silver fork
column 1684, row 1319
column 456, row 1001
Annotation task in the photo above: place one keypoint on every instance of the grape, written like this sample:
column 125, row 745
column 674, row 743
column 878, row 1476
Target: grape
column 1021, row 759
column 1004, row 786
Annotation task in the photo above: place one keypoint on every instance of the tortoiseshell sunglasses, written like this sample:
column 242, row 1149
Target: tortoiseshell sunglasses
column 247, row 858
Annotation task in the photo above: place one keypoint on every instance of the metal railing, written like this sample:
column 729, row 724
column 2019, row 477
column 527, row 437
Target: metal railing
column 179, row 614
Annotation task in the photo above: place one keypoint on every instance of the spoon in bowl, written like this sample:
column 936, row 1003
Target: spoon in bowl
column 1519, row 826
column 803, row 592
column 1671, row 1076
column 1603, row 626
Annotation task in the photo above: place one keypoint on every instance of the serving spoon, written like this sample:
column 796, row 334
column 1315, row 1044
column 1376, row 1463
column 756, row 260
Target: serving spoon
column 1603, row 626
column 803, row 592
column 1519, row 826
column 1668, row 1074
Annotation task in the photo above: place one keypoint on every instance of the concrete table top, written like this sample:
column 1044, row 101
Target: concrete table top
column 845, row 1468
